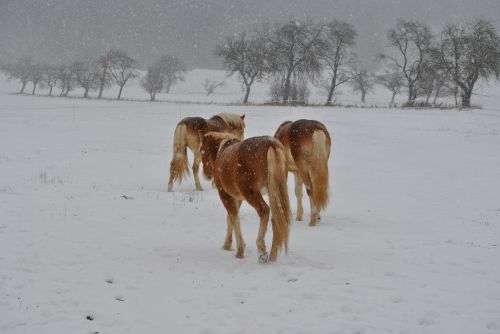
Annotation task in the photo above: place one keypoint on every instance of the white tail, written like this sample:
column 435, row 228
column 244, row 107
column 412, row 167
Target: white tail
column 278, row 199
column 319, row 170
column 179, row 167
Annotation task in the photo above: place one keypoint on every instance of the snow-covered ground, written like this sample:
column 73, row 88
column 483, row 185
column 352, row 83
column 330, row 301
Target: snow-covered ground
column 90, row 241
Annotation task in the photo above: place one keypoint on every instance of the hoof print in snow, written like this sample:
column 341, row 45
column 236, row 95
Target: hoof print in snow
column 126, row 197
column 90, row 317
column 120, row 299
column 291, row 280
column 110, row 281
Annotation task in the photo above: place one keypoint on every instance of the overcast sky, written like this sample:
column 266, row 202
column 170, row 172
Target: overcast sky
column 57, row 31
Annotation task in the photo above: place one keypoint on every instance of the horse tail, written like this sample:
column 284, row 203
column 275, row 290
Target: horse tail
column 179, row 167
column 278, row 198
column 319, row 169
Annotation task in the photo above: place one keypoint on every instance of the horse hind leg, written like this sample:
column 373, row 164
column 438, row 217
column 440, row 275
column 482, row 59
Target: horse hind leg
column 304, row 170
column 232, row 206
column 255, row 199
column 196, row 168
column 228, row 243
column 314, row 213
column 299, row 195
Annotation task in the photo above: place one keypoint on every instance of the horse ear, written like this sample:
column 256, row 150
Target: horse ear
column 242, row 117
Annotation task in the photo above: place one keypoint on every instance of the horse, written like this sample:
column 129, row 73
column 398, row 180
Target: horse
column 245, row 170
column 189, row 133
column 307, row 145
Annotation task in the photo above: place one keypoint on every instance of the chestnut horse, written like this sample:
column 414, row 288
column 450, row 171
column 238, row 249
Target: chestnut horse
column 307, row 145
column 244, row 170
column 189, row 133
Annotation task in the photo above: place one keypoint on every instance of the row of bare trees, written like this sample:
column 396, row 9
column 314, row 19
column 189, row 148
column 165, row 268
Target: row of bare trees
column 114, row 67
column 417, row 61
column 452, row 61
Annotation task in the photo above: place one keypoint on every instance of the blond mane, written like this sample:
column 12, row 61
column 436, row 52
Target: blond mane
column 232, row 119
column 221, row 135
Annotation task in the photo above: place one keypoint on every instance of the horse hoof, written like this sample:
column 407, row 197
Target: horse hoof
column 263, row 257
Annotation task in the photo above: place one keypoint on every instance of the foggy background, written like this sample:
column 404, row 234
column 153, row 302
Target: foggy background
column 57, row 31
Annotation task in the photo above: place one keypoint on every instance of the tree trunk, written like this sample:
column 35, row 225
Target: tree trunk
column 363, row 95
column 34, row 88
column 438, row 89
column 67, row 91
column 466, row 96
column 50, row 91
column 247, row 93
column 393, row 97
column 286, row 93
column 102, row 83
column 153, row 96
column 411, row 99
column 23, row 87
column 331, row 91
column 86, row 93
column 427, row 98
column 120, row 92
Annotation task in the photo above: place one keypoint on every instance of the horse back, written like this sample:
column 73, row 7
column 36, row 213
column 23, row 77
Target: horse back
column 242, row 167
column 300, row 137
column 197, row 124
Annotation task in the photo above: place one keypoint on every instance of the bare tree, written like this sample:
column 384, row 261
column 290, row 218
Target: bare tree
column 340, row 37
column 20, row 70
column 37, row 75
column 104, row 65
column 50, row 77
column 86, row 76
column 66, row 79
column 362, row 81
column 211, row 85
column 412, row 43
column 295, row 48
column 393, row 80
column 152, row 82
column 468, row 53
column 245, row 56
column 172, row 70
column 124, row 69
column 425, row 85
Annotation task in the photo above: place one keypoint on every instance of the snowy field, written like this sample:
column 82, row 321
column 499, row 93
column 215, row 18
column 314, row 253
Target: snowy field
column 91, row 241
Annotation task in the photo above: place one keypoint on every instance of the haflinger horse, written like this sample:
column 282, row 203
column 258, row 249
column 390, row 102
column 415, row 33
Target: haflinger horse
column 245, row 170
column 307, row 145
column 189, row 133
